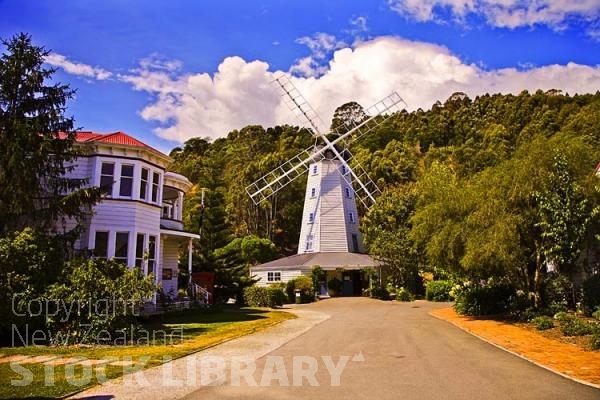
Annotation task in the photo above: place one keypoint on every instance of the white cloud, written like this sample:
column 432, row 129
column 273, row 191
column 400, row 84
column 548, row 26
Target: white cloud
column 75, row 68
column 360, row 24
column 556, row 14
column 241, row 92
column 321, row 45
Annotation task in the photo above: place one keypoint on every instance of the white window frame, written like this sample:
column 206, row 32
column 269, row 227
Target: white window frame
column 112, row 185
column 348, row 193
column 125, row 259
column 313, row 192
column 351, row 217
column 274, row 276
column 315, row 170
column 311, row 218
column 126, row 177
column 309, row 243
column 144, row 183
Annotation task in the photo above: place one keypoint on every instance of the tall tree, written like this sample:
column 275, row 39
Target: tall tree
column 36, row 143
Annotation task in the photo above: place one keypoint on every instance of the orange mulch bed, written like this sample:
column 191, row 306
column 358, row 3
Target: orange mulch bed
column 564, row 358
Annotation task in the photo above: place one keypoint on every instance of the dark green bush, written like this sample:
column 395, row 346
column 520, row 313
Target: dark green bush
column 381, row 293
column 596, row 314
column 438, row 290
column 543, row 322
column 558, row 293
column 488, row 299
column 591, row 294
column 571, row 325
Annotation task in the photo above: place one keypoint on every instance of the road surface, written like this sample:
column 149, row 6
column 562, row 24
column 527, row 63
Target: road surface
column 407, row 355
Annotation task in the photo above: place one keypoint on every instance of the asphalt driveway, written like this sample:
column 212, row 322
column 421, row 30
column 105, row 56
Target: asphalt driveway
column 407, row 355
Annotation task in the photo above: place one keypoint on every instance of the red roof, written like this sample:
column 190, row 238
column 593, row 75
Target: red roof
column 111, row 138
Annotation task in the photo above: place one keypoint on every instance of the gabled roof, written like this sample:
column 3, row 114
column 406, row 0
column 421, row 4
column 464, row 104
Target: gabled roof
column 326, row 260
column 120, row 138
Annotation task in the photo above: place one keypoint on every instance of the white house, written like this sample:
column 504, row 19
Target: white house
column 139, row 222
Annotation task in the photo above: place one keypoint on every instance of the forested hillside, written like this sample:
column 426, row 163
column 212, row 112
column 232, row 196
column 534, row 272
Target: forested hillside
column 486, row 185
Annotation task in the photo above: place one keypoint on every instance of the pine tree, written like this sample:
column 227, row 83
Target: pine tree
column 36, row 143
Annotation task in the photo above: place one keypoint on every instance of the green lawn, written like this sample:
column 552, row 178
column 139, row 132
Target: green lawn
column 201, row 329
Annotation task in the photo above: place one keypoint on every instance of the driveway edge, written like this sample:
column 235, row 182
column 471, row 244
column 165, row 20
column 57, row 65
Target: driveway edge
column 581, row 381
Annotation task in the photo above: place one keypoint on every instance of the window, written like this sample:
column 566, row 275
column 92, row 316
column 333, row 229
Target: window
column 274, row 276
column 313, row 192
column 107, row 173
column 309, row 243
column 151, row 253
column 101, row 245
column 126, row 180
column 355, row 243
column 144, row 184
column 315, row 169
column 121, row 247
column 348, row 192
column 155, row 185
column 351, row 217
column 139, row 251
column 311, row 218
column 343, row 170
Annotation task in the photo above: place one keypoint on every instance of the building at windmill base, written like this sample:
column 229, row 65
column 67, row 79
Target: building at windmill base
column 329, row 236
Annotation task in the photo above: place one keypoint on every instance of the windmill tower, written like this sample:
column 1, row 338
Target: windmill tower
column 330, row 217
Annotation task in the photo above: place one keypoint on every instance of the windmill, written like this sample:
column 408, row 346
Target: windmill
column 330, row 216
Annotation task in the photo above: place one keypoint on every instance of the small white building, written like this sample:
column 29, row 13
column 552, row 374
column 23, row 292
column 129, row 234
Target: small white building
column 139, row 221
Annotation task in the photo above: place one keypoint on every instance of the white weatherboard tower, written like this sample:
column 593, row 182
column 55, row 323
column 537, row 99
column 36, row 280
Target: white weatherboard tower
column 330, row 217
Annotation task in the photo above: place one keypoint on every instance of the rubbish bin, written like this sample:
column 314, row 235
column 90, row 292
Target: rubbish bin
column 298, row 297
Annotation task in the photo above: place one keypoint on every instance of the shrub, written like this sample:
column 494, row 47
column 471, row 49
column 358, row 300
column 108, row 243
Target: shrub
column 378, row 292
column 591, row 294
column 595, row 342
column 256, row 296
column 305, row 285
column 404, row 295
column 318, row 275
column 571, row 325
column 483, row 299
column 276, row 296
column 438, row 290
column 596, row 314
column 114, row 290
column 543, row 323
column 558, row 293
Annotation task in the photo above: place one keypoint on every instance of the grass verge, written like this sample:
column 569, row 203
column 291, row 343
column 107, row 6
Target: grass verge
column 195, row 330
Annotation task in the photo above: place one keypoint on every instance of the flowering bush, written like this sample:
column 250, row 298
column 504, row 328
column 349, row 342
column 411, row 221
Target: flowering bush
column 483, row 298
column 404, row 295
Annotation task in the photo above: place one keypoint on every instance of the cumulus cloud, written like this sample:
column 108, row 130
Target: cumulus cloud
column 556, row 14
column 321, row 45
column 75, row 68
column 241, row 92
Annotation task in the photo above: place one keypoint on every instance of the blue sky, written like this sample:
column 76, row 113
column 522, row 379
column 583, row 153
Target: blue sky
column 166, row 71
